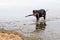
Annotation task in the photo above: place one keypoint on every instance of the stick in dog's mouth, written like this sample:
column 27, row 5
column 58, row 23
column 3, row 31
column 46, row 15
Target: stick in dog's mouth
column 29, row 15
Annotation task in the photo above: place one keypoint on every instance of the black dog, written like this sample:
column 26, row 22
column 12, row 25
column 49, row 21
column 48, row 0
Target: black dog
column 38, row 14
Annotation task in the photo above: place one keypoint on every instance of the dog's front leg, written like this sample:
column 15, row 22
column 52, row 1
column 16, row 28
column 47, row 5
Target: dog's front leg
column 37, row 19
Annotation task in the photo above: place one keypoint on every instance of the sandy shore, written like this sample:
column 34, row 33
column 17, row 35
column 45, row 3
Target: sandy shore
column 8, row 35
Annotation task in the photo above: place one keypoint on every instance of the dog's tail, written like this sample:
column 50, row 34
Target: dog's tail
column 29, row 15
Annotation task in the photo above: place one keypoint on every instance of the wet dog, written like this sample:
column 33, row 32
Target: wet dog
column 38, row 14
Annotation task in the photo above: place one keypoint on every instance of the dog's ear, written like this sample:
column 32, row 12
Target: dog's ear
column 33, row 11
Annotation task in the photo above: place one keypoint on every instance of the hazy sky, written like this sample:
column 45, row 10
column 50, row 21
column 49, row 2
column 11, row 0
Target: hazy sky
column 22, row 3
column 18, row 8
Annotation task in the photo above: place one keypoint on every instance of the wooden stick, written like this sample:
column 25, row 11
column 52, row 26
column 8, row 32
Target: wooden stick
column 29, row 15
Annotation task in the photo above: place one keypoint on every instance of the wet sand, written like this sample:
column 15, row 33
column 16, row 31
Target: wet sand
column 9, row 35
column 28, row 30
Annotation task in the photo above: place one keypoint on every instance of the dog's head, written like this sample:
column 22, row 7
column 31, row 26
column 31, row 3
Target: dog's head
column 35, row 12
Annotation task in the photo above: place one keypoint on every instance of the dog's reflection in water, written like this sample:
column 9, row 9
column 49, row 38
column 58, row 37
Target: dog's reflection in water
column 40, row 26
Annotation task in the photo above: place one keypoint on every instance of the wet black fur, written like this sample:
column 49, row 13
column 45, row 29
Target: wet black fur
column 41, row 13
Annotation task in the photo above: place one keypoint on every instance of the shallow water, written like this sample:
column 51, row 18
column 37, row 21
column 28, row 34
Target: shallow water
column 51, row 30
column 12, row 17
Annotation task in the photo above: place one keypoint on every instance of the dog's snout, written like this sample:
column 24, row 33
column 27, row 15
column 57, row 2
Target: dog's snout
column 35, row 14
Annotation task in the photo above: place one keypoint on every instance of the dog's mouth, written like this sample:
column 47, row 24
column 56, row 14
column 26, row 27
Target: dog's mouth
column 35, row 14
